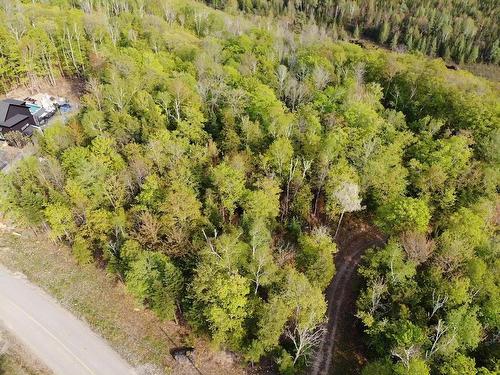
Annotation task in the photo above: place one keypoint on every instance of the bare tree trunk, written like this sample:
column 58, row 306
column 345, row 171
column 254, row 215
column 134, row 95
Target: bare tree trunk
column 340, row 221
column 440, row 331
column 77, row 35
column 320, row 187
column 71, row 51
column 48, row 62
column 291, row 171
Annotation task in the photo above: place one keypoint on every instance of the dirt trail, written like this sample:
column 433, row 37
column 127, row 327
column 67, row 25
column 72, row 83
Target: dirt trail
column 341, row 294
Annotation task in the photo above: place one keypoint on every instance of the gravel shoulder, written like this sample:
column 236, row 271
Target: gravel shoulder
column 62, row 342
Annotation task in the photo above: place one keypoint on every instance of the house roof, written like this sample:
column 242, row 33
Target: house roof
column 13, row 101
column 16, row 119
column 4, row 110
column 4, row 107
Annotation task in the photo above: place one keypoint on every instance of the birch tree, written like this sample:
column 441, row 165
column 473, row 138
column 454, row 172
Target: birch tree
column 348, row 196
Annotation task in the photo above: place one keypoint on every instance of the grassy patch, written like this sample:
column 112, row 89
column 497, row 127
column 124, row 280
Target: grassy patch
column 17, row 361
column 488, row 71
column 15, row 364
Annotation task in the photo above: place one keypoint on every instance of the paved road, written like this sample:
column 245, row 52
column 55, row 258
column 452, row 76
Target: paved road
column 65, row 344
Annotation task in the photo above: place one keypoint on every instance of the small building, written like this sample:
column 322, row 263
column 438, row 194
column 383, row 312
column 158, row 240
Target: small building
column 16, row 115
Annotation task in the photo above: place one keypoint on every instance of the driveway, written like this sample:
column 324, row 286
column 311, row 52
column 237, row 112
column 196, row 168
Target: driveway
column 65, row 344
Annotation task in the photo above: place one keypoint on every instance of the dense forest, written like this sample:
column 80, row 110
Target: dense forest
column 213, row 160
column 463, row 31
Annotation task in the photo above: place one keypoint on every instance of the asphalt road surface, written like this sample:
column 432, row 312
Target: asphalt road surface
column 65, row 344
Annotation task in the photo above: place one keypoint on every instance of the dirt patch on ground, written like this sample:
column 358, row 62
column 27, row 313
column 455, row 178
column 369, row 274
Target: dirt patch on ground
column 342, row 350
column 99, row 299
column 69, row 88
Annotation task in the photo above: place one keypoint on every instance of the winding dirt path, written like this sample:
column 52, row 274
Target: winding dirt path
column 341, row 294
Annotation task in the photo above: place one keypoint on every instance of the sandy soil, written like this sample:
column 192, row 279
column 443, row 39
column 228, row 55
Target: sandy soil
column 71, row 89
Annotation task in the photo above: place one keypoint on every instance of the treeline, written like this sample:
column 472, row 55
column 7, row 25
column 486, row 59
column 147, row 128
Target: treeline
column 455, row 30
column 212, row 160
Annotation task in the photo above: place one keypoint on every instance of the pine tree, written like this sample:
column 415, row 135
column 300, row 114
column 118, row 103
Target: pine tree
column 357, row 32
column 473, row 55
column 384, row 32
column 495, row 52
column 394, row 41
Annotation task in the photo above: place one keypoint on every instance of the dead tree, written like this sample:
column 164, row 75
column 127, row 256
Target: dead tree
column 321, row 77
column 417, row 247
column 281, row 74
column 200, row 20
column 405, row 355
column 169, row 14
column 210, row 244
column 348, row 196
column 304, row 340
column 378, row 289
column 437, row 303
column 259, row 270
column 16, row 23
column 440, row 329
column 291, row 172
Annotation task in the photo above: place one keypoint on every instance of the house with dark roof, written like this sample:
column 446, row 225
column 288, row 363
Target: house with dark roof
column 15, row 115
